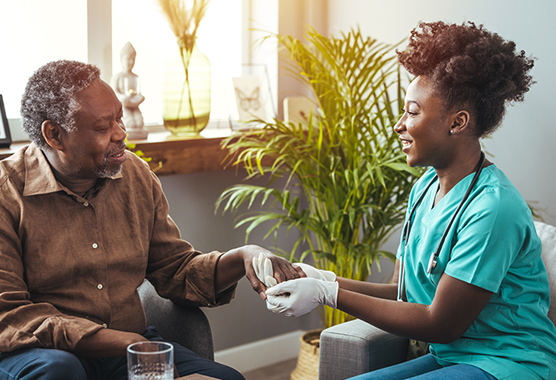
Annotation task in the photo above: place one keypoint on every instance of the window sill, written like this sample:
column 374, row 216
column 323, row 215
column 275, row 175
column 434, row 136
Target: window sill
column 172, row 155
column 179, row 155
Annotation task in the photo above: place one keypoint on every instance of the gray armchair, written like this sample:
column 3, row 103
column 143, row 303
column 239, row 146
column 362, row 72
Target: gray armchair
column 356, row 347
column 185, row 325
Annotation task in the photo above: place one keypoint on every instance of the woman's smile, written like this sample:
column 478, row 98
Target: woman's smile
column 406, row 144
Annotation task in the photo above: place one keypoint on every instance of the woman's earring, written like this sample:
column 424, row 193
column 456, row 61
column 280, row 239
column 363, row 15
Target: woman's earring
column 451, row 131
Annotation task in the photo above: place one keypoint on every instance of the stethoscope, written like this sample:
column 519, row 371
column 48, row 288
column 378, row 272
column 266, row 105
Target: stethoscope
column 433, row 261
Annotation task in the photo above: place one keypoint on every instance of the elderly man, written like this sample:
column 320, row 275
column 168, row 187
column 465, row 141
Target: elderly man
column 82, row 224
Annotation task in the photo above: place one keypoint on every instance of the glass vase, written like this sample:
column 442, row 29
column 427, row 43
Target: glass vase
column 186, row 92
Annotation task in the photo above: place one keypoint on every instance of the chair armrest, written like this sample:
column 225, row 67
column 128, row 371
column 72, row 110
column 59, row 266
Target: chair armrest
column 186, row 325
column 356, row 347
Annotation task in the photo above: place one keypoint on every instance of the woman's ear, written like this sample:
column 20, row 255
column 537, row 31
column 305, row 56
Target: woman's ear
column 461, row 120
column 52, row 134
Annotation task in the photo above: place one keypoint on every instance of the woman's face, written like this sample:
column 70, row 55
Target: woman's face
column 424, row 128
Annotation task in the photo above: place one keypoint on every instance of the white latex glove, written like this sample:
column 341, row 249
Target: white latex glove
column 319, row 274
column 297, row 297
column 264, row 271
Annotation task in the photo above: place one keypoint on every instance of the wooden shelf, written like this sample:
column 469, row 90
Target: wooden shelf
column 175, row 155
column 184, row 155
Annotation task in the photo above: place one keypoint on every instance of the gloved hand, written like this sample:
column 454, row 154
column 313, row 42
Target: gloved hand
column 313, row 272
column 265, row 273
column 297, row 297
column 264, row 270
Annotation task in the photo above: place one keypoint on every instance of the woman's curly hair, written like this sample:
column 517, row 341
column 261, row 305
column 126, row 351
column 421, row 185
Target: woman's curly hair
column 469, row 66
column 51, row 94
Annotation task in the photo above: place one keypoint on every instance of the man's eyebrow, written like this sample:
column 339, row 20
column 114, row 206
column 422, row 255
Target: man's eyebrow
column 103, row 118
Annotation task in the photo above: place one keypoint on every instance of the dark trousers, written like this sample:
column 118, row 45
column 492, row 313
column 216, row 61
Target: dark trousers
column 426, row 368
column 51, row 364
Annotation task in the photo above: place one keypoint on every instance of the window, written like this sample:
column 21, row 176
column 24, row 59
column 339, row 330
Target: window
column 32, row 35
column 219, row 38
column 38, row 31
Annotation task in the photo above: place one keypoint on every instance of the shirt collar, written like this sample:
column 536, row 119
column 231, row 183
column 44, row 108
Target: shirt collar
column 39, row 178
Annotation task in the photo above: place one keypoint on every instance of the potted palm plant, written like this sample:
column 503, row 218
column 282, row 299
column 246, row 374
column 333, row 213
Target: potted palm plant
column 346, row 178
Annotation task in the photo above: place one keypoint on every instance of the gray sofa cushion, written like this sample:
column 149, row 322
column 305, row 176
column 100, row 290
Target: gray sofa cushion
column 547, row 233
column 356, row 347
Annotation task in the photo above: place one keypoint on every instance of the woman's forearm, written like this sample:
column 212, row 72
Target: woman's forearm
column 386, row 291
column 454, row 308
column 399, row 318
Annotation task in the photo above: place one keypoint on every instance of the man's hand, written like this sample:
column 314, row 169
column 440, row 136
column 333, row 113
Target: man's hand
column 264, row 269
column 297, row 297
column 238, row 262
column 265, row 272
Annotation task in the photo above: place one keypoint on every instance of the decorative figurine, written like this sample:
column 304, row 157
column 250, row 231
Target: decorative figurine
column 127, row 86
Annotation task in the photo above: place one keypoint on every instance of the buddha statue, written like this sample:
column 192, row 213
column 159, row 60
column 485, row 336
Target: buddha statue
column 127, row 86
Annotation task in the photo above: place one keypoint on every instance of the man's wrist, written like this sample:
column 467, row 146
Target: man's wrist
column 230, row 268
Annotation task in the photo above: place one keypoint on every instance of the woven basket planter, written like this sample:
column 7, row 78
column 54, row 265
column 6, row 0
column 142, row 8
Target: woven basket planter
column 307, row 367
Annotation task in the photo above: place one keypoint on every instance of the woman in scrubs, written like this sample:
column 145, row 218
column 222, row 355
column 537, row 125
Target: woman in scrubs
column 481, row 301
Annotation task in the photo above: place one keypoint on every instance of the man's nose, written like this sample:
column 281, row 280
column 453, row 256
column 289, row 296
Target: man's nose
column 119, row 131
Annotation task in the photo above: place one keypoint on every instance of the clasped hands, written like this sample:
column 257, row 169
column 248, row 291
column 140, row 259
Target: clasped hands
column 299, row 296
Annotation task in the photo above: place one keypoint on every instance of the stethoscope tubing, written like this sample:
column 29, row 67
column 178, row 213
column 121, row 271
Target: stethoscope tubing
column 407, row 228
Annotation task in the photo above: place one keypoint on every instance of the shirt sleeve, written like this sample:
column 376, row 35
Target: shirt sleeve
column 175, row 268
column 24, row 324
column 489, row 237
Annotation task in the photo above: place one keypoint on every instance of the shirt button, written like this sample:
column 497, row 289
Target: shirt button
column 95, row 245
column 86, row 204
column 99, row 286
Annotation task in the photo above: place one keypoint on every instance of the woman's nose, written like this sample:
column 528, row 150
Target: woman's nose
column 400, row 125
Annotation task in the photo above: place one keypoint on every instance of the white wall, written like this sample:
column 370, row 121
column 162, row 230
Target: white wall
column 522, row 147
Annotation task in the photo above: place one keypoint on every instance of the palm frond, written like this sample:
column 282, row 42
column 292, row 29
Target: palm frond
column 346, row 179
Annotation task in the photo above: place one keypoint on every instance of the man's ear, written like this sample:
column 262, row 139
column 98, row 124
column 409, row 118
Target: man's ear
column 461, row 120
column 52, row 134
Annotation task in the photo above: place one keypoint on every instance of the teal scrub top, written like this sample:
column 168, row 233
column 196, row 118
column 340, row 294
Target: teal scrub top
column 492, row 244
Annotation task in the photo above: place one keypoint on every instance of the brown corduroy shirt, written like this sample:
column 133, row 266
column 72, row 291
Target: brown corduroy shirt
column 71, row 265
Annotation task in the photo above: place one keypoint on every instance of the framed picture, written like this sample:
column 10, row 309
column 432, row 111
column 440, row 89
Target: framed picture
column 253, row 97
column 5, row 137
column 249, row 99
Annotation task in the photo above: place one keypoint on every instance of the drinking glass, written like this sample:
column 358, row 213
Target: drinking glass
column 150, row 361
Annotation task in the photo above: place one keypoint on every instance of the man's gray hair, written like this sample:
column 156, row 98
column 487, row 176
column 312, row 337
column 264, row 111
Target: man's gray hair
column 51, row 94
